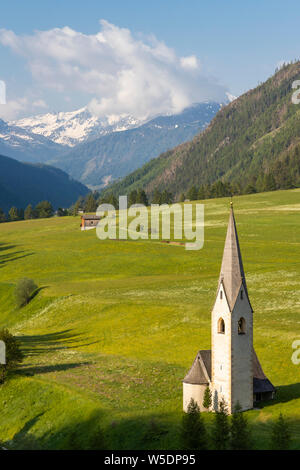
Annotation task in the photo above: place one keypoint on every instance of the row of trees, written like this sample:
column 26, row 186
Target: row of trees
column 263, row 183
column 42, row 210
column 227, row 432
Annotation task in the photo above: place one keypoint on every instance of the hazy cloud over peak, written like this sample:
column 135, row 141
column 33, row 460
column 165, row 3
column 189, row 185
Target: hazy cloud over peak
column 118, row 72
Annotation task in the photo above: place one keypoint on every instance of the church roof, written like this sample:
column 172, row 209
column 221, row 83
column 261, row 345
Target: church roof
column 260, row 382
column 232, row 271
column 200, row 373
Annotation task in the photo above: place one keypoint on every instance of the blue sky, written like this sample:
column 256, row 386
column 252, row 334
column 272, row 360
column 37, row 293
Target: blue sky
column 236, row 45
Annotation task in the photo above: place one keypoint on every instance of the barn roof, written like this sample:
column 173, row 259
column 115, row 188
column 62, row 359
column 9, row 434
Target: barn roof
column 232, row 271
column 90, row 217
column 200, row 373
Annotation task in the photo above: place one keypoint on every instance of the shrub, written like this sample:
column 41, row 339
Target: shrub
column 24, row 291
column 14, row 354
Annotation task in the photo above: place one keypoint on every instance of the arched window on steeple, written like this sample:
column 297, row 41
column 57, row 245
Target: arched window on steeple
column 221, row 326
column 241, row 326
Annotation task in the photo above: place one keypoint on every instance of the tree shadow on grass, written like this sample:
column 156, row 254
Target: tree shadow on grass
column 33, row 370
column 141, row 432
column 13, row 256
column 35, row 345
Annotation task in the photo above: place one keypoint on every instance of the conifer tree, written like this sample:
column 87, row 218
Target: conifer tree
column 182, row 197
column 2, row 216
column 201, row 193
column 269, row 182
column 240, row 432
column 221, row 429
column 13, row 214
column 141, row 197
column 192, row 194
column 29, row 212
column 156, row 197
column 90, row 204
column 207, row 401
column 281, row 437
column 132, row 197
column 193, row 433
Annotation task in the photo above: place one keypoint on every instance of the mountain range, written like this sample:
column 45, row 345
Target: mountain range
column 114, row 155
column 99, row 150
column 257, row 134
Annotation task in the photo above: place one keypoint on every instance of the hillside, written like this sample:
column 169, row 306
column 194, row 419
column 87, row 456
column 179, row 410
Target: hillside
column 24, row 183
column 116, row 154
column 257, row 134
column 116, row 325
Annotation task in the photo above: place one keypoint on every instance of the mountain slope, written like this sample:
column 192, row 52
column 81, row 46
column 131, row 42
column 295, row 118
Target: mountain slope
column 117, row 154
column 257, row 133
column 24, row 183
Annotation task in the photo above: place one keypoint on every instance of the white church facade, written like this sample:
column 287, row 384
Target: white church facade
column 231, row 368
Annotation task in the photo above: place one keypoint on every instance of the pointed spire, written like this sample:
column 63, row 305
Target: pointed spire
column 232, row 271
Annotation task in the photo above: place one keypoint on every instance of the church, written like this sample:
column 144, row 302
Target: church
column 231, row 368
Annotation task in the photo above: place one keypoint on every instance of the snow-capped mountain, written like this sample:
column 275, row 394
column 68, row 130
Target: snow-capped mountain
column 24, row 145
column 97, row 150
column 72, row 128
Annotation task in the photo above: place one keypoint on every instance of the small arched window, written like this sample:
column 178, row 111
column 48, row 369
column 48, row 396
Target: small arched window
column 242, row 295
column 221, row 294
column 241, row 326
column 221, row 326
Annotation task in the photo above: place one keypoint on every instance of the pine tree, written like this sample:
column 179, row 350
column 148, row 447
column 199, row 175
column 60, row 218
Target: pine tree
column 90, row 204
column 141, row 197
column 201, row 193
column 156, row 197
column 193, row 433
column 29, row 213
column 221, row 430
column 182, row 197
column 132, row 197
column 207, row 398
column 281, row 437
column 240, row 432
column 192, row 194
column 44, row 209
column 269, row 182
column 13, row 214
column 2, row 216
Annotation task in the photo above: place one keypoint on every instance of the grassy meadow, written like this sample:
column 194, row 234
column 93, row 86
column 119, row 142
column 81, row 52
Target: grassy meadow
column 117, row 324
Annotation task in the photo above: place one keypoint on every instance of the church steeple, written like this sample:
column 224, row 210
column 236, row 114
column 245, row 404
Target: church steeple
column 232, row 271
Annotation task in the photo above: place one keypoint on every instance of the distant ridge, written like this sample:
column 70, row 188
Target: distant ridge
column 24, row 183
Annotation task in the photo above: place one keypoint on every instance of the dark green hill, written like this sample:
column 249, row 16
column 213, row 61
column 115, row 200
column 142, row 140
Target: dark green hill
column 24, row 183
column 257, row 134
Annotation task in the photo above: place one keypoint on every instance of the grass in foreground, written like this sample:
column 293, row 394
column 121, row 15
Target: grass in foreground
column 116, row 325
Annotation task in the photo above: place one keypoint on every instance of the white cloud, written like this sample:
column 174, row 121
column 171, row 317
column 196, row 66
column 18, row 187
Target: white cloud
column 190, row 62
column 119, row 73
column 13, row 108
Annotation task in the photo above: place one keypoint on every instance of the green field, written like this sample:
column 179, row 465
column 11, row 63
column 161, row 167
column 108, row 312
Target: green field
column 117, row 324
